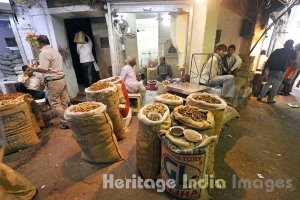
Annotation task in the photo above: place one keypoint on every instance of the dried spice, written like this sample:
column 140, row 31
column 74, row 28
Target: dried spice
column 100, row 85
column 154, row 116
column 170, row 97
column 192, row 112
column 207, row 98
column 84, row 107
column 155, row 107
column 12, row 96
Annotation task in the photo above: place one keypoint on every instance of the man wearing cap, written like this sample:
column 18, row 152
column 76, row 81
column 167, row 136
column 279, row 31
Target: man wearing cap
column 51, row 65
column 129, row 77
column 276, row 64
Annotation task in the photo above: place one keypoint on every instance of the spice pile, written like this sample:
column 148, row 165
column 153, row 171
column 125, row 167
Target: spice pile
column 100, row 85
column 155, row 107
column 206, row 98
column 169, row 97
column 192, row 112
column 84, row 107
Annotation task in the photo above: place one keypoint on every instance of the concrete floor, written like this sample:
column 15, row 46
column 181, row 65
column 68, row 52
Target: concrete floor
column 264, row 140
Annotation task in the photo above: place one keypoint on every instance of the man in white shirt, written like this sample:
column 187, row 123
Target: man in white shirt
column 29, row 83
column 234, row 61
column 212, row 74
column 86, row 59
column 129, row 77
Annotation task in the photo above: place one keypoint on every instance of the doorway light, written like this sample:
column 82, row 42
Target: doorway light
column 200, row 1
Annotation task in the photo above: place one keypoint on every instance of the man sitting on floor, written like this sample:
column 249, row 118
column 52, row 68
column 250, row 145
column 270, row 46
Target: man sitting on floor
column 29, row 83
column 212, row 74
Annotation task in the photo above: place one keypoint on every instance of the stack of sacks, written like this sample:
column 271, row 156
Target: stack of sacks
column 47, row 112
column 8, row 62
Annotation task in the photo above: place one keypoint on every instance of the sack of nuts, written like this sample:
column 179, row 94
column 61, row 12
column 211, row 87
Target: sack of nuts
column 93, row 131
column 170, row 100
column 217, row 106
column 194, row 117
column 106, row 93
column 152, row 119
column 206, row 101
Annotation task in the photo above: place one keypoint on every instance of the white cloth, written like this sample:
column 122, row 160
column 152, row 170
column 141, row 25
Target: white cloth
column 234, row 62
column 85, row 51
column 31, row 83
column 127, row 74
column 212, row 69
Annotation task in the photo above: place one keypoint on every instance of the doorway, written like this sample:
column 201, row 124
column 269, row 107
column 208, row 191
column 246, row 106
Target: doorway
column 72, row 27
column 147, row 37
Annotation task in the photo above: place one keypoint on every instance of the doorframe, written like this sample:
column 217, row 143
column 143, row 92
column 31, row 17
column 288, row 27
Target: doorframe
column 143, row 7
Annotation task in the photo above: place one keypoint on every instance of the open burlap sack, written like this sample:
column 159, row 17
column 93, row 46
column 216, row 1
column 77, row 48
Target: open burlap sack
column 179, row 158
column 109, row 97
column 16, row 119
column 148, row 144
column 37, row 118
column 208, row 123
column 93, row 131
column 217, row 106
column 170, row 100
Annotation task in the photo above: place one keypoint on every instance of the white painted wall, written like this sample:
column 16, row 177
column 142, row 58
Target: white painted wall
column 37, row 20
column 230, row 23
column 62, row 42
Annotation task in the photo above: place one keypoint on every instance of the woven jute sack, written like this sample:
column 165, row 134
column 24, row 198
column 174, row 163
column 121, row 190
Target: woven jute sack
column 109, row 97
column 148, row 144
column 93, row 132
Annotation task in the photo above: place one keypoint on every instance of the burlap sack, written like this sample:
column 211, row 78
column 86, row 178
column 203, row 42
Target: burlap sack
column 218, row 112
column 148, row 144
column 93, row 131
column 171, row 103
column 19, row 132
column 37, row 118
column 115, row 80
column 109, row 97
column 79, row 38
column 198, row 125
column 229, row 114
column 12, row 184
column 184, row 162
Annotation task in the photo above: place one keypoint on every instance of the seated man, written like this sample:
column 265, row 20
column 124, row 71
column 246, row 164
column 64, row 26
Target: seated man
column 129, row 77
column 29, row 83
column 164, row 71
column 234, row 61
column 212, row 74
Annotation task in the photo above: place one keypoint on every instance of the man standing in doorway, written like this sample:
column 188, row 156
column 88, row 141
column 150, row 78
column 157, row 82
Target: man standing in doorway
column 51, row 65
column 164, row 71
column 277, row 63
column 86, row 59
